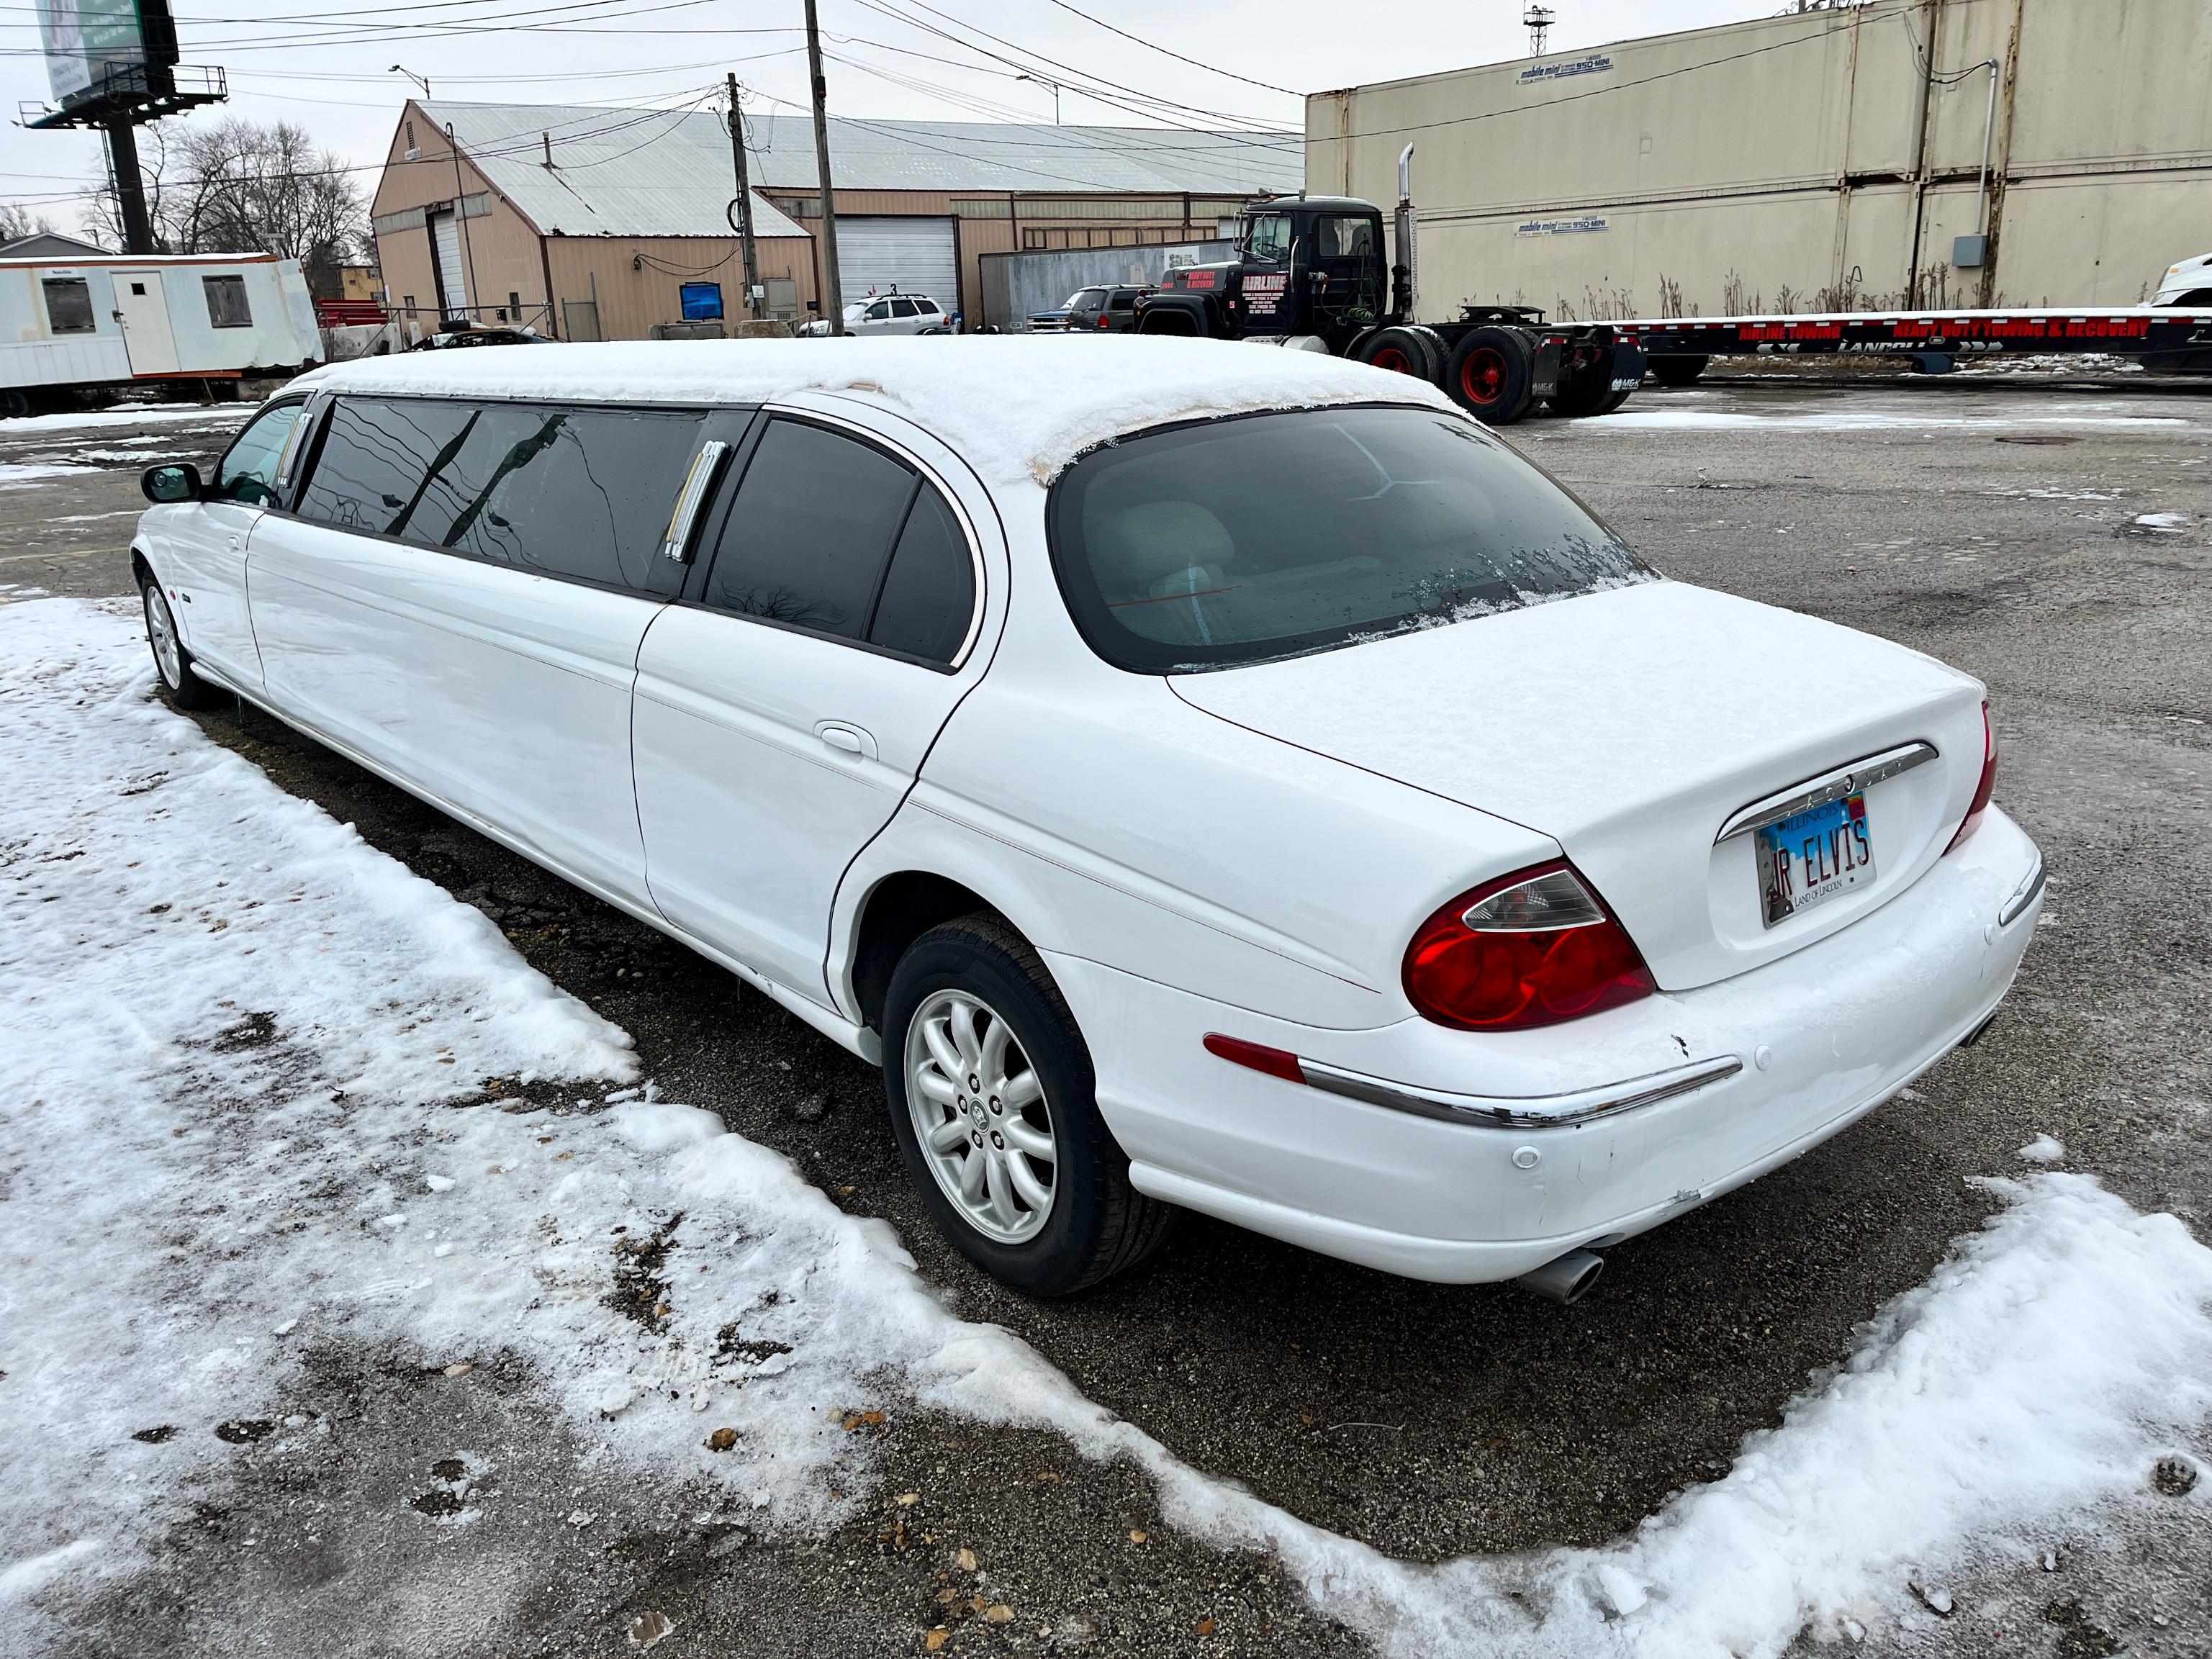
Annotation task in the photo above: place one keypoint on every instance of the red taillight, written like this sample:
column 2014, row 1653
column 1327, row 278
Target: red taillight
column 1530, row 949
column 1104, row 321
column 1988, row 784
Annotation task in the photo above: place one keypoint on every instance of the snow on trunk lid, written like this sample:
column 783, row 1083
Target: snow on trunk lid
column 1632, row 725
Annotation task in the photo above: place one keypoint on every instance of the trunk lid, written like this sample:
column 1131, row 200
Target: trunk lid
column 1630, row 726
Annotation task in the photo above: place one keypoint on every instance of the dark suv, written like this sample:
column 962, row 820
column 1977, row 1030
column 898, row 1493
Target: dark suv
column 1093, row 311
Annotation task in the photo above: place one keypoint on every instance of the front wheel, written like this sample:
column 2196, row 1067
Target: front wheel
column 171, row 660
column 991, row 1100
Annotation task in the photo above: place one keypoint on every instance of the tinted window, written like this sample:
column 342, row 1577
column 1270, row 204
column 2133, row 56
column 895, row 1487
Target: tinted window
column 568, row 492
column 1237, row 540
column 878, row 311
column 1121, row 301
column 927, row 307
column 929, row 593
column 901, row 307
column 248, row 472
column 68, row 305
column 806, row 539
column 377, row 453
column 226, row 301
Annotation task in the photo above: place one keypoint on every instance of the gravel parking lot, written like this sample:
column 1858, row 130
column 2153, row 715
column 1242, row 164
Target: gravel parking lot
column 2056, row 542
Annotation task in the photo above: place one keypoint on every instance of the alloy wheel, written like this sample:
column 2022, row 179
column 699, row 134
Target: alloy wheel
column 981, row 1116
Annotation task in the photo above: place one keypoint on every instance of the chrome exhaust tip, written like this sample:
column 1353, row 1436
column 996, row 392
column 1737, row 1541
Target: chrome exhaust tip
column 1564, row 1280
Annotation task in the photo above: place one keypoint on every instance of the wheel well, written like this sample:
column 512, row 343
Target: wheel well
column 141, row 571
column 1168, row 322
column 900, row 909
column 2196, row 297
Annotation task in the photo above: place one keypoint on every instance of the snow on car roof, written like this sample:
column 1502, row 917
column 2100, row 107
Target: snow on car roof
column 1016, row 408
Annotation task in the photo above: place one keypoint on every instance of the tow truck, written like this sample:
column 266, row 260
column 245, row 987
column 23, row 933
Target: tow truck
column 1309, row 276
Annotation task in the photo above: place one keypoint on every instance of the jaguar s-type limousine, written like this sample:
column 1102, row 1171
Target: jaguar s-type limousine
column 1202, row 777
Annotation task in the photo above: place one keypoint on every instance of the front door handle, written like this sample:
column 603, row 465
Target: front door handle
column 846, row 740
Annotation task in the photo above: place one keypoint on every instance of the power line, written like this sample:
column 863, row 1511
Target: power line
column 1154, row 46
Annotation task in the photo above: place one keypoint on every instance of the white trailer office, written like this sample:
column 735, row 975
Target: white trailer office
column 109, row 320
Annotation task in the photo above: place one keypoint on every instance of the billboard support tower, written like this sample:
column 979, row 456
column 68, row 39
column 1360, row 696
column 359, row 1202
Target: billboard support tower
column 113, row 66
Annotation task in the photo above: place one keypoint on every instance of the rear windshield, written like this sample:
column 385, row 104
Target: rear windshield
column 1265, row 536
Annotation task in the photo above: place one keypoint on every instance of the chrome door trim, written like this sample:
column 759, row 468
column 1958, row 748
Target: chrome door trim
column 706, row 467
column 1846, row 780
column 1522, row 1111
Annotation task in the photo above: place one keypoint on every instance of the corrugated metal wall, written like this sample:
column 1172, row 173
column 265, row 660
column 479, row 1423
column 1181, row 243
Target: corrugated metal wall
column 1803, row 161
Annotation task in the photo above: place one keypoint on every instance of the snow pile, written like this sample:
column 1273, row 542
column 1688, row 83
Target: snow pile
column 1864, row 420
column 1015, row 407
column 261, row 1089
column 19, row 475
column 129, row 415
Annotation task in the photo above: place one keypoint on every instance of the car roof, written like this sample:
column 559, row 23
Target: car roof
column 1008, row 403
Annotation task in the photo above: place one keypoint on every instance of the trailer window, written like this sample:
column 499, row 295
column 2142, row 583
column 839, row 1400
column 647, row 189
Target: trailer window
column 226, row 301
column 1240, row 540
column 68, row 305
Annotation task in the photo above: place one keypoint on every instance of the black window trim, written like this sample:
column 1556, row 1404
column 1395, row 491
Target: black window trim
column 54, row 330
column 734, row 479
column 304, row 470
column 207, row 294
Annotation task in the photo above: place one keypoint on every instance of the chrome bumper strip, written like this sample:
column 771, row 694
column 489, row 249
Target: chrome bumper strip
column 1844, row 781
column 1522, row 1111
column 2022, row 896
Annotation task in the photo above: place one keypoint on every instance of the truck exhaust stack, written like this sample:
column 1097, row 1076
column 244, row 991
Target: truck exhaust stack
column 1405, row 275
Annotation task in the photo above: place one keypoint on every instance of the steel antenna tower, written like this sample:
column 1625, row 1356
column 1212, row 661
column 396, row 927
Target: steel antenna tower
column 1538, row 21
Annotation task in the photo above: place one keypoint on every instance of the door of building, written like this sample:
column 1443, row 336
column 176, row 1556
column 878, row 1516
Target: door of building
column 452, row 281
column 905, row 256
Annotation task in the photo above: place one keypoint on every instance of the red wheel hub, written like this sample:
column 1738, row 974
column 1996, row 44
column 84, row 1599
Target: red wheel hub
column 1482, row 375
column 1392, row 358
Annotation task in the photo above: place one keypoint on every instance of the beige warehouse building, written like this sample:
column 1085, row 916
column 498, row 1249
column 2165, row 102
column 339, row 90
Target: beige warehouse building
column 1819, row 160
column 600, row 224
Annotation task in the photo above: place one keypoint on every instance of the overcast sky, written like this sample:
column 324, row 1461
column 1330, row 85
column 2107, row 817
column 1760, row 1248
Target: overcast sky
column 328, row 69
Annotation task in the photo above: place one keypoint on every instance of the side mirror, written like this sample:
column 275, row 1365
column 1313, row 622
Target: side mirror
column 179, row 481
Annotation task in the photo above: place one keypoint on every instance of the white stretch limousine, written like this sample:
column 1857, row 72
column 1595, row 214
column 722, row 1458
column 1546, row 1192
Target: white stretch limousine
column 1219, row 779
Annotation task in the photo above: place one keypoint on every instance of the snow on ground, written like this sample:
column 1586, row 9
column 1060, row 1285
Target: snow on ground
column 19, row 475
column 128, row 415
column 261, row 1088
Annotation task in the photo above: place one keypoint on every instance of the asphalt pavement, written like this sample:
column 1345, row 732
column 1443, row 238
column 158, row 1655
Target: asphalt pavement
column 2055, row 541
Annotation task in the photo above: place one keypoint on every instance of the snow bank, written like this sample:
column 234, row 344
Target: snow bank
column 129, row 415
column 17, row 475
column 1869, row 420
column 240, row 1055
column 1015, row 407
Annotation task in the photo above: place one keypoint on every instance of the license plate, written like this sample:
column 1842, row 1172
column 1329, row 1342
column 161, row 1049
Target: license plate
column 1813, row 856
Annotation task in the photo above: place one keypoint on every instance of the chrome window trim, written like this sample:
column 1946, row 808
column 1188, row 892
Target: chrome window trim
column 1522, row 1111
column 1847, row 780
column 930, row 476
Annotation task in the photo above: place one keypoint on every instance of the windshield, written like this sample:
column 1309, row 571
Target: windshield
column 1240, row 540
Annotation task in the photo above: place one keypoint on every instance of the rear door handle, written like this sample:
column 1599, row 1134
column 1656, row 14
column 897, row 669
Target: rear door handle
column 846, row 740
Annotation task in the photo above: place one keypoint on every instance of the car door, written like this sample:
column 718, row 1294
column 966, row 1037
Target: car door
column 875, row 318
column 783, row 710
column 201, row 546
column 461, row 595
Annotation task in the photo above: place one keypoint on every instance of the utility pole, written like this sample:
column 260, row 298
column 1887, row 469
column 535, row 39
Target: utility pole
column 745, row 200
column 833, row 294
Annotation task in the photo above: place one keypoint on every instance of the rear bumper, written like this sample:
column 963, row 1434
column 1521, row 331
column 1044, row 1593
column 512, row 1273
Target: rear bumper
column 1820, row 1039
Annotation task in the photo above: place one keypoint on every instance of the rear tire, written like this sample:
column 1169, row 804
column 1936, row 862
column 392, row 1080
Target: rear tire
column 1045, row 1222
column 1678, row 370
column 172, row 663
column 1402, row 351
column 1492, row 374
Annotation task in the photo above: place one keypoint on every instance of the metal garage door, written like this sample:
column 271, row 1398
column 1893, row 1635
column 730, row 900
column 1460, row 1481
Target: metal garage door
column 453, row 266
column 914, row 256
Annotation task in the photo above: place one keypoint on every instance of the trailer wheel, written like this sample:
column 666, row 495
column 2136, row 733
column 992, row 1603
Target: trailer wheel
column 1585, row 388
column 1492, row 374
column 1678, row 371
column 1402, row 351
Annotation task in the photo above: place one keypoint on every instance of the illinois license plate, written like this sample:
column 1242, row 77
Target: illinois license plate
column 1813, row 856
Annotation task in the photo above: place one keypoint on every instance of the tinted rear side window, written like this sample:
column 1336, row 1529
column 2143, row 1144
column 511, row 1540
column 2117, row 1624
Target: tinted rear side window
column 376, row 456
column 929, row 593
column 1266, row 535
column 806, row 540
column 567, row 492
column 580, row 492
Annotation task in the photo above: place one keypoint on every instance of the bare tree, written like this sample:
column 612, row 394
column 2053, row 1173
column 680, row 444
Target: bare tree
column 17, row 222
column 241, row 186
